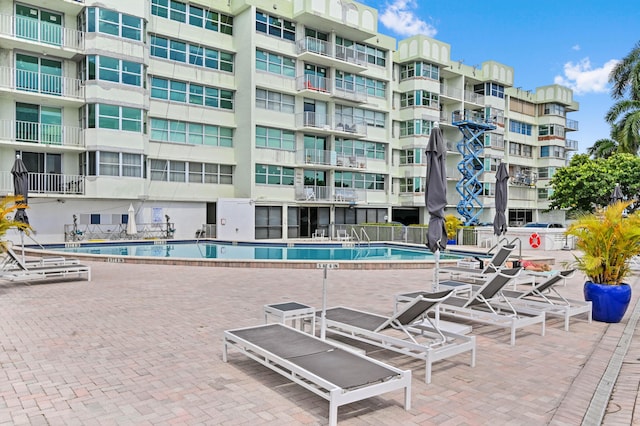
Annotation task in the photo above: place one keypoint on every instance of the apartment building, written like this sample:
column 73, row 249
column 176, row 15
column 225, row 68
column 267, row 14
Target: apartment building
column 263, row 120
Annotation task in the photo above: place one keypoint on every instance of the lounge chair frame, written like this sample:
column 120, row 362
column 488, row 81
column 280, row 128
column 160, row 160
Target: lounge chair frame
column 493, row 265
column 14, row 269
column 545, row 297
column 424, row 340
column 289, row 368
column 481, row 306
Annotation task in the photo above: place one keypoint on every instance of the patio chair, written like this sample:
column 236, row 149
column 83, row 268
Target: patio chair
column 481, row 306
column 333, row 373
column 14, row 269
column 491, row 266
column 418, row 336
column 545, row 297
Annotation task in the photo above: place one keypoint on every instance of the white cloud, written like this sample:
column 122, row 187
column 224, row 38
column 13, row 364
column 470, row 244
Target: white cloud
column 575, row 47
column 399, row 17
column 582, row 78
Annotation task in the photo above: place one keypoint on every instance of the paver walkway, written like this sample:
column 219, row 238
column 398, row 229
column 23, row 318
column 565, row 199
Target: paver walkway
column 142, row 344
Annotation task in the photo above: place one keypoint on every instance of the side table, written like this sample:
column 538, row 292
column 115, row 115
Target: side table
column 292, row 312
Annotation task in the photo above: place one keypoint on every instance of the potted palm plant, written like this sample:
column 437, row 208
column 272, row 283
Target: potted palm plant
column 8, row 206
column 452, row 224
column 608, row 241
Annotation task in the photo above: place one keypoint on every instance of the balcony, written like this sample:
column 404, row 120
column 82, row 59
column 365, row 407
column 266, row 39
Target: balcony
column 332, row 194
column 330, row 55
column 345, row 126
column 20, row 31
column 473, row 97
column 571, row 145
column 572, row 125
column 47, row 183
column 318, row 87
column 331, row 158
column 42, row 133
column 41, row 84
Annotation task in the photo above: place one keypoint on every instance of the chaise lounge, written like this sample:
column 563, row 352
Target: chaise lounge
column 422, row 340
column 14, row 269
column 337, row 375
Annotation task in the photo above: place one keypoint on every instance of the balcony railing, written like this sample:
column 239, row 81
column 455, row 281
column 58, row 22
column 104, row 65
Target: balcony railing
column 47, row 183
column 46, row 84
column 313, row 82
column 572, row 125
column 473, row 97
column 43, row 32
column 50, row 134
column 355, row 94
column 325, row 48
column 570, row 144
column 326, row 193
column 331, row 158
column 357, row 128
column 451, row 92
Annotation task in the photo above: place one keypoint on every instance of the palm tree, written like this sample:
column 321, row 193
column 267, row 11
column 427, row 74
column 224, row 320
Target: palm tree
column 624, row 115
column 625, row 76
column 603, row 148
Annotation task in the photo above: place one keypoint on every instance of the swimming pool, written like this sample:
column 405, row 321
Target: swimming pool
column 239, row 252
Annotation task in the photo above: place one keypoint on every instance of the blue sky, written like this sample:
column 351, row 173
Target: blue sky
column 570, row 42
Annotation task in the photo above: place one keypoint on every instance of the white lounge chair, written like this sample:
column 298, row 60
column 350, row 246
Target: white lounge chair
column 482, row 305
column 490, row 266
column 337, row 375
column 418, row 339
column 14, row 269
column 545, row 297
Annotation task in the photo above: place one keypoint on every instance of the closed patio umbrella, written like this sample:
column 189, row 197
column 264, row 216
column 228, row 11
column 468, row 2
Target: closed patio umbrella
column 21, row 188
column 617, row 194
column 436, row 196
column 500, row 220
column 131, row 221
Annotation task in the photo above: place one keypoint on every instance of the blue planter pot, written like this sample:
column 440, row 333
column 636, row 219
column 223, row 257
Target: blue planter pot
column 610, row 302
column 451, row 242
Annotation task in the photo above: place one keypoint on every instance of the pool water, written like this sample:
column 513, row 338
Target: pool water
column 254, row 251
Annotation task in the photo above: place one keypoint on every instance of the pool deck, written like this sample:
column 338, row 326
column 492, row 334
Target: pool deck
column 141, row 344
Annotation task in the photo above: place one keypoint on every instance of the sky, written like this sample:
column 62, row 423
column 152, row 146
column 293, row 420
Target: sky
column 575, row 43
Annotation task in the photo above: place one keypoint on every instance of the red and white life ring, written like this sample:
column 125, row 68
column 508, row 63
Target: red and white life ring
column 534, row 240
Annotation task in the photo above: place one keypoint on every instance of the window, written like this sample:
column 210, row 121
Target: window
column 114, row 23
column 176, row 50
column 543, row 193
column 420, row 98
column 412, row 184
column 269, row 223
column 419, row 69
column 192, row 172
column 411, row 156
column 40, row 25
column 37, row 123
column 267, row 137
column 180, row 91
column 372, row 55
column 276, row 64
column 370, row 181
column 275, row 26
column 520, row 127
column 350, row 116
column 105, row 163
column 191, row 133
column 275, row 101
column 415, row 127
column 520, row 149
column 114, row 117
column 552, row 151
column 116, row 70
column 274, row 175
column 360, row 148
column 494, row 89
column 551, row 130
column 546, row 172
column 554, row 109
column 523, row 107
column 360, row 84
column 41, row 75
column 194, row 15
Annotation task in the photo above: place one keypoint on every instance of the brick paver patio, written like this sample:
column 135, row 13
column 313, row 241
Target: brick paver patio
column 142, row 344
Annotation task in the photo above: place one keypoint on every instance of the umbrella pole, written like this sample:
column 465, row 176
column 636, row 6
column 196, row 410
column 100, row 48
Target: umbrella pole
column 436, row 273
column 323, row 321
column 22, row 244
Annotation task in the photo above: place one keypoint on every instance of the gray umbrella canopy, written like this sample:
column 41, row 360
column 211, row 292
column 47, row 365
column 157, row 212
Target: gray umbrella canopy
column 436, row 190
column 500, row 220
column 20, row 187
column 617, row 194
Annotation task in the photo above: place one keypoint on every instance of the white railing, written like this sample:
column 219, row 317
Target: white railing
column 356, row 94
column 43, row 32
column 331, row 158
column 46, row 84
column 46, row 183
column 313, row 119
column 325, row 48
column 50, row 134
column 572, row 125
column 451, row 92
column 571, row 144
column 313, row 82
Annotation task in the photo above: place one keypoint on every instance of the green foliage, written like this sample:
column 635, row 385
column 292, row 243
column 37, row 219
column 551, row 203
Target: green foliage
column 587, row 183
column 452, row 224
column 608, row 241
column 8, row 205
